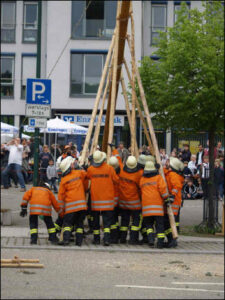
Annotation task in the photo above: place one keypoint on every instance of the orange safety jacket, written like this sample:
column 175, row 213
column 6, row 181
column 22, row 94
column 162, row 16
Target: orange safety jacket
column 153, row 192
column 41, row 201
column 71, row 195
column 115, row 153
column 175, row 184
column 116, row 193
column 129, row 192
column 102, row 179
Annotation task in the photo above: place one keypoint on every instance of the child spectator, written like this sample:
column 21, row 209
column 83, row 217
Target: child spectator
column 219, row 179
column 186, row 172
column 163, row 156
column 192, row 164
column 190, row 190
column 44, row 157
column 52, row 175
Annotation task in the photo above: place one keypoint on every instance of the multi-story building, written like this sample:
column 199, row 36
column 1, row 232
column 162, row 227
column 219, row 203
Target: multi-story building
column 75, row 39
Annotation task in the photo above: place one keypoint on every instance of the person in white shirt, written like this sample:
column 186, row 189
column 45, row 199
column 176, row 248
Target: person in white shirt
column 199, row 157
column 192, row 164
column 14, row 163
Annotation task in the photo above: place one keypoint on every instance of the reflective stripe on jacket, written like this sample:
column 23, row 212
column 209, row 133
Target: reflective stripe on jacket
column 41, row 201
column 153, row 193
column 129, row 193
column 102, row 179
column 72, row 191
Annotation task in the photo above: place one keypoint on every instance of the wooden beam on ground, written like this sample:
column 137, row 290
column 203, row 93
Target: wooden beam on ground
column 22, row 265
column 154, row 141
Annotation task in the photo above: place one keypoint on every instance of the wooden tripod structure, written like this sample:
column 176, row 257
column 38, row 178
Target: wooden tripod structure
column 109, row 84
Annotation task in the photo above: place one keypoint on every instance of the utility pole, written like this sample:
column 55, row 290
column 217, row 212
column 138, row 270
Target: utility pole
column 38, row 75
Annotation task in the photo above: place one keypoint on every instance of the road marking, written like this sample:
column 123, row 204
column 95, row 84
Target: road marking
column 199, row 283
column 168, row 288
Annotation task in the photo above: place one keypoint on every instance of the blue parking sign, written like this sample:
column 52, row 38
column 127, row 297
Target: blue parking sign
column 38, row 91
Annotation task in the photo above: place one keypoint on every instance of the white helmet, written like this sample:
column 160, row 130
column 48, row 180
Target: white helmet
column 175, row 163
column 149, row 166
column 131, row 162
column 98, row 158
column 113, row 161
column 85, row 161
column 150, row 158
column 47, row 185
column 104, row 155
column 66, row 163
column 142, row 159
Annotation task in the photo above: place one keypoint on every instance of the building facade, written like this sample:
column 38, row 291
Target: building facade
column 75, row 40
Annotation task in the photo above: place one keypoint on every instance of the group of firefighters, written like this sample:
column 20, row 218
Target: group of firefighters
column 130, row 198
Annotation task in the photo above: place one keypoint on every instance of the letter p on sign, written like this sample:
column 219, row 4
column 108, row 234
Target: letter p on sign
column 36, row 90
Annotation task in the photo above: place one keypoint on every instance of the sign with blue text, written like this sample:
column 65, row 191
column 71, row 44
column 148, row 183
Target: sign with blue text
column 38, row 91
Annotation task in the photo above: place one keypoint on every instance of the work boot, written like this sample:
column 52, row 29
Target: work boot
column 106, row 239
column 64, row 243
column 172, row 244
column 145, row 239
column 79, row 239
column 160, row 243
column 96, row 240
column 33, row 242
column 151, row 239
column 114, row 236
column 53, row 239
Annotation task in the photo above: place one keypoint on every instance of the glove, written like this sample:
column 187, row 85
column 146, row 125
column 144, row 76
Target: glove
column 170, row 199
column 23, row 212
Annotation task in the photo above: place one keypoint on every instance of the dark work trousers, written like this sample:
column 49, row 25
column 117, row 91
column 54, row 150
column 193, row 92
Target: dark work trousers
column 143, row 229
column 89, row 214
column 114, row 229
column 69, row 220
column 107, row 218
column 168, row 229
column 159, row 224
column 58, row 224
column 34, row 227
column 135, row 216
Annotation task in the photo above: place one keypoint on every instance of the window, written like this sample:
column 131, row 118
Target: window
column 28, row 71
column 7, row 76
column 8, row 22
column 158, row 21
column 86, row 71
column 99, row 20
column 177, row 7
column 7, row 119
column 30, row 17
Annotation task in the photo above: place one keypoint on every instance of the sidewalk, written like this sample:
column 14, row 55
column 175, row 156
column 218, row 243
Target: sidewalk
column 18, row 237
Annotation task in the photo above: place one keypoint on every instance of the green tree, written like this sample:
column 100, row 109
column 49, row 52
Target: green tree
column 185, row 87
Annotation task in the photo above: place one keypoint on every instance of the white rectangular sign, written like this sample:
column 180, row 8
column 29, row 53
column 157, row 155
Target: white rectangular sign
column 36, row 110
column 38, row 122
column 84, row 120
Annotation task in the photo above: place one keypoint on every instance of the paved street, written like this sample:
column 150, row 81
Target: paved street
column 107, row 275
column 194, row 270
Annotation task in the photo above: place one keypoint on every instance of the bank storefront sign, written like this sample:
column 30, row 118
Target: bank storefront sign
column 84, row 120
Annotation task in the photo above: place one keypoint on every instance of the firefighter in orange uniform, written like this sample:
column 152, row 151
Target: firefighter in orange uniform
column 71, row 197
column 41, row 200
column 102, row 178
column 115, row 153
column 153, row 193
column 175, row 181
column 114, row 230
column 130, row 200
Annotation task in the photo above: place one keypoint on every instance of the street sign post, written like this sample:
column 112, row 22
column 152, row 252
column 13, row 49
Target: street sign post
column 37, row 122
column 38, row 98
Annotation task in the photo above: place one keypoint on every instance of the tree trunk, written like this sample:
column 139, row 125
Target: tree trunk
column 211, row 217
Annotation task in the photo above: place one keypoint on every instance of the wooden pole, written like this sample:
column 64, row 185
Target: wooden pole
column 19, row 260
column 128, row 109
column 98, row 96
column 98, row 125
column 139, row 110
column 23, row 265
column 114, row 83
column 153, row 137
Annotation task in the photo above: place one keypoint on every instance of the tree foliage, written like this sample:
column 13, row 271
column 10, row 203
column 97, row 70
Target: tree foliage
column 185, row 87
